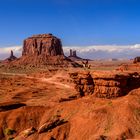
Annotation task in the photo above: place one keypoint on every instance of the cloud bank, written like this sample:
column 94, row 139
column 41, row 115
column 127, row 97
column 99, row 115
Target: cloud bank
column 91, row 52
column 107, row 51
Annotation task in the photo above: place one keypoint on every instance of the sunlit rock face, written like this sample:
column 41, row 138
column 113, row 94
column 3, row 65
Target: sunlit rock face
column 42, row 44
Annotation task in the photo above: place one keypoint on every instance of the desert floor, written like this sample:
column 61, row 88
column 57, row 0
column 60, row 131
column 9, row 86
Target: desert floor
column 32, row 97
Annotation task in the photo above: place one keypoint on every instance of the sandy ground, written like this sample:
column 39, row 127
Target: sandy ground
column 31, row 100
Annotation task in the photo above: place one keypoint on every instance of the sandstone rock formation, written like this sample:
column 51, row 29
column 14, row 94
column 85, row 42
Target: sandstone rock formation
column 83, row 83
column 43, row 44
column 129, row 67
column 11, row 57
column 105, row 84
column 51, row 124
column 136, row 59
column 24, row 134
column 73, row 53
column 135, row 66
column 30, row 108
column 73, row 56
column 43, row 50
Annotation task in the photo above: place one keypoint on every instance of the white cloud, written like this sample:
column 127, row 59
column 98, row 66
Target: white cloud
column 92, row 52
column 106, row 51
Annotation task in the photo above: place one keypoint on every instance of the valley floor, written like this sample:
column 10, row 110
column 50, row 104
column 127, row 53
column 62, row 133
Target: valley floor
column 41, row 106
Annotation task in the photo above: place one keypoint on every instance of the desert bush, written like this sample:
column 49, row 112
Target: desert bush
column 9, row 131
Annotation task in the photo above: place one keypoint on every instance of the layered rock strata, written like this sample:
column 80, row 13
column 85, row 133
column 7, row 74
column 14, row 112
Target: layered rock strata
column 43, row 44
column 83, row 83
column 105, row 84
column 43, row 50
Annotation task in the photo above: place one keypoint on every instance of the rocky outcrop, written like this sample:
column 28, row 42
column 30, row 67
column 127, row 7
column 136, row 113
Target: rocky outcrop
column 105, row 84
column 43, row 44
column 83, row 83
column 136, row 59
column 73, row 56
column 88, row 118
column 43, row 50
column 11, row 57
column 73, row 53
column 10, row 105
column 110, row 85
column 129, row 67
column 51, row 124
column 25, row 133
column 133, row 66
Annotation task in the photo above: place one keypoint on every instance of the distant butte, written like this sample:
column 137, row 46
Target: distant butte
column 73, row 56
column 11, row 57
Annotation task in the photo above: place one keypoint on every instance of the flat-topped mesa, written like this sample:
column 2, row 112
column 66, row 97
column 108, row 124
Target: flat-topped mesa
column 42, row 44
column 42, row 36
column 43, row 50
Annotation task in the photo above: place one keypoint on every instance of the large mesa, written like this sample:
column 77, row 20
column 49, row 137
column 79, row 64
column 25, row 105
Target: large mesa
column 42, row 44
column 43, row 50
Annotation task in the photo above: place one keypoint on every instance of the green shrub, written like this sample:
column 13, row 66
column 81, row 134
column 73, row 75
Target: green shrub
column 110, row 103
column 10, row 138
column 9, row 131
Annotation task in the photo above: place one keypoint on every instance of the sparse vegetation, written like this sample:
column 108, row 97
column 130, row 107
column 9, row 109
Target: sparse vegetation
column 9, row 131
column 110, row 103
column 108, row 126
column 137, row 112
column 99, row 114
column 11, row 138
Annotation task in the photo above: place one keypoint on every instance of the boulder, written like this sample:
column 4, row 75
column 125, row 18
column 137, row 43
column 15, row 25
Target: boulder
column 51, row 124
column 25, row 133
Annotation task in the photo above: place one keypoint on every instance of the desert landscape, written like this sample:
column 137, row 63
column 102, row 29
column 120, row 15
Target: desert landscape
column 45, row 95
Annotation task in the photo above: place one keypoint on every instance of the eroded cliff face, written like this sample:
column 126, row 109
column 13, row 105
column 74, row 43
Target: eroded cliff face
column 43, row 44
column 84, row 83
column 105, row 84
column 30, row 107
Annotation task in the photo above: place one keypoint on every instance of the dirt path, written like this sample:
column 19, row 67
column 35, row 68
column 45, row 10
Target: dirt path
column 51, row 80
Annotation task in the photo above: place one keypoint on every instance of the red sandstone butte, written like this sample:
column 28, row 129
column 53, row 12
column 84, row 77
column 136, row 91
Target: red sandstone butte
column 45, row 44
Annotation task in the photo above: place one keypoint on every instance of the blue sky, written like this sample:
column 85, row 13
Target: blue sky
column 76, row 22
